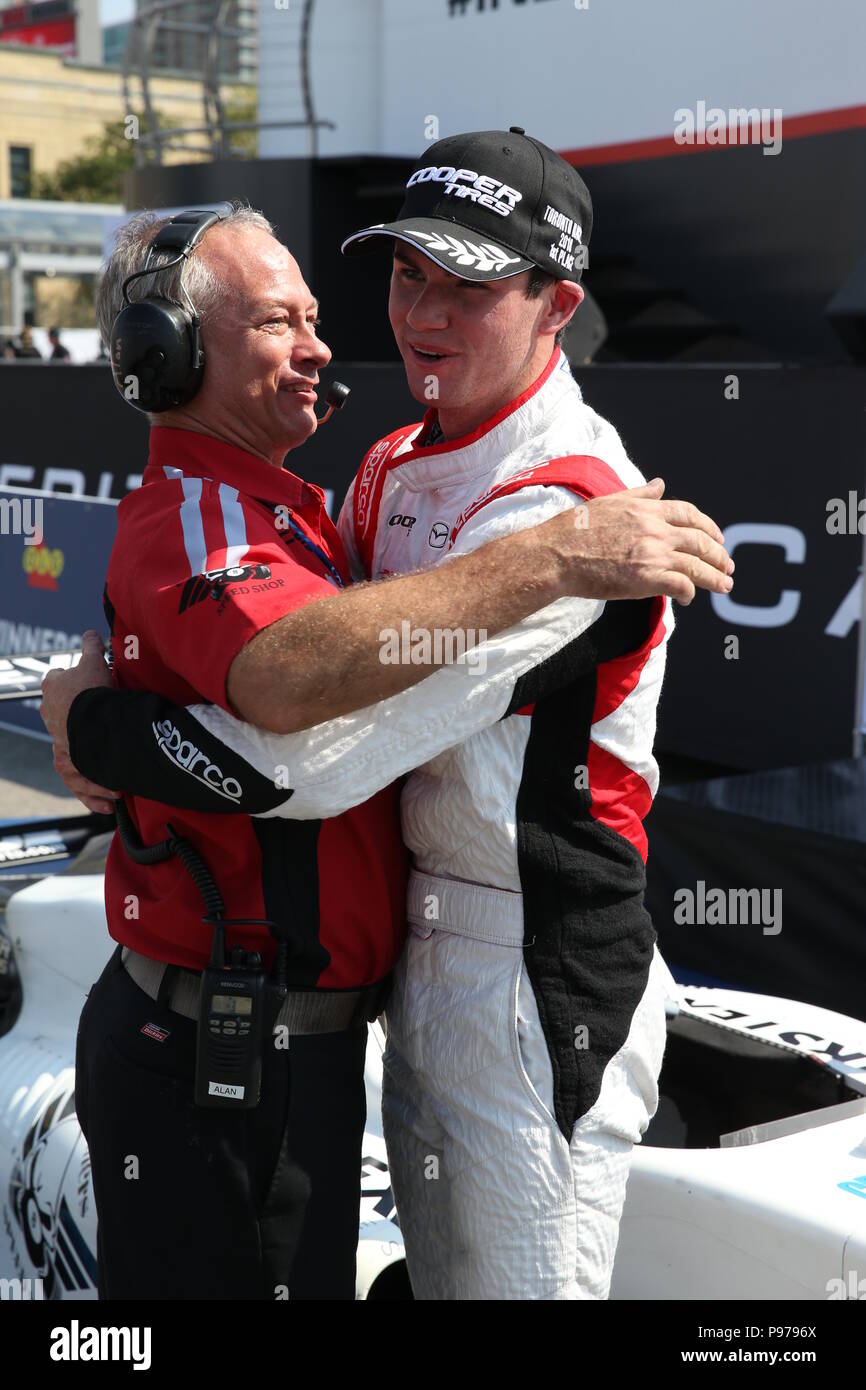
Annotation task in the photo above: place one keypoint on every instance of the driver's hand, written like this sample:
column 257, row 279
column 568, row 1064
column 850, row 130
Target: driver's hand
column 59, row 689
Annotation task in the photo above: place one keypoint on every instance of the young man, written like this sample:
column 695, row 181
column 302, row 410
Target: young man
column 525, row 1033
column 527, row 1025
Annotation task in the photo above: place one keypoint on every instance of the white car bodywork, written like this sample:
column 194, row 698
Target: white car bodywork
column 779, row 1211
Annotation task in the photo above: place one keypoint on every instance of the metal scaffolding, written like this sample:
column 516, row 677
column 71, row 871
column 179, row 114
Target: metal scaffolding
column 217, row 42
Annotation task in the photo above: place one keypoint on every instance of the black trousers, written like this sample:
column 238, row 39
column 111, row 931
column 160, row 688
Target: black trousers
column 196, row 1203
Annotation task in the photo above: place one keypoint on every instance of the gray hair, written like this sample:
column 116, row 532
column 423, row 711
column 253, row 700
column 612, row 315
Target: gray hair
column 206, row 290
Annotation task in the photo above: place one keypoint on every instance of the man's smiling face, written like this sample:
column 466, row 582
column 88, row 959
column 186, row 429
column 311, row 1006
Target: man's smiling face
column 469, row 347
column 263, row 350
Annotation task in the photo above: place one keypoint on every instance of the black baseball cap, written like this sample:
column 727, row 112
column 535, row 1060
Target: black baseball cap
column 490, row 204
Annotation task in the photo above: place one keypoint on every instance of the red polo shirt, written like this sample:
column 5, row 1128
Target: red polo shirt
column 213, row 547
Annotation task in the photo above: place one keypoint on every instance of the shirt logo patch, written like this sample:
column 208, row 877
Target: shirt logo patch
column 214, row 583
column 438, row 535
column 153, row 1030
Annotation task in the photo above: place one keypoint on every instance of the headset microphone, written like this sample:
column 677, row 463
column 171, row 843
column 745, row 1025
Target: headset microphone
column 335, row 400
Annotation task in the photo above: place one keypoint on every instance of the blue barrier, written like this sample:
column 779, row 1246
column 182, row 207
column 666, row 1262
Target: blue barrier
column 54, row 551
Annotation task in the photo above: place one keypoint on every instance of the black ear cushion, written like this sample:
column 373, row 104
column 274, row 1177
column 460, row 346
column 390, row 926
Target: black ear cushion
column 152, row 355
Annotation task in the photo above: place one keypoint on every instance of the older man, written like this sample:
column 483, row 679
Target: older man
column 213, row 500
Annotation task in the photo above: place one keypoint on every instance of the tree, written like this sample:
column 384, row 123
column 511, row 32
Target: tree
column 96, row 175
column 243, row 143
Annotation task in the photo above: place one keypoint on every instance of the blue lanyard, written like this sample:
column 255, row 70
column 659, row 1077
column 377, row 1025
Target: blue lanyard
column 317, row 551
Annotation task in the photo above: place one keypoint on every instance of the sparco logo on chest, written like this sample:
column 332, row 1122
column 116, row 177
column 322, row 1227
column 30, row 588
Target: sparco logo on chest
column 466, row 183
column 184, row 754
column 364, row 485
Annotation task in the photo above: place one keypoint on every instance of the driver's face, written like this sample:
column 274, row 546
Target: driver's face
column 463, row 343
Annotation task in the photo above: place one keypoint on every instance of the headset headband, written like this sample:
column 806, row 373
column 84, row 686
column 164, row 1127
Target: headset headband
column 184, row 231
column 181, row 234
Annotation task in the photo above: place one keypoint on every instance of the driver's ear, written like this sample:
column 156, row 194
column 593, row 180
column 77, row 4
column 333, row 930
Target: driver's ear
column 564, row 302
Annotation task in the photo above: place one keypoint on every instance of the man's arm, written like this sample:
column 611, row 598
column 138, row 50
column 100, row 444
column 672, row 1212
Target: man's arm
column 202, row 758
column 325, row 659
column 610, row 564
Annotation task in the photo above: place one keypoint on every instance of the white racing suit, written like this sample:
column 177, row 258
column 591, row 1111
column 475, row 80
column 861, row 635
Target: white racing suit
column 527, row 1024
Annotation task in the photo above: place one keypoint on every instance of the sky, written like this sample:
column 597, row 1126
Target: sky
column 113, row 11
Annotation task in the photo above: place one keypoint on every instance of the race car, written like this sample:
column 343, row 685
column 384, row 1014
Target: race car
column 750, row 1182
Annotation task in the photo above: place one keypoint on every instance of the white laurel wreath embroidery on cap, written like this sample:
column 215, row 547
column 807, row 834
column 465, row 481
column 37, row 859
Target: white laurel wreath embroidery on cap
column 483, row 255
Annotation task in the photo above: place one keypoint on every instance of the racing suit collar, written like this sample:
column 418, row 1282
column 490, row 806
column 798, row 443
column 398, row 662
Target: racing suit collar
column 449, row 445
column 204, row 456
column 451, row 460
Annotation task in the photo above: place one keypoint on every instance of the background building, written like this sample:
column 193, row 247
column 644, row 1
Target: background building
column 65, row 26
column 114, row 40
column 50, row 255
column 183, row 36
column 58, row 107
column 51, row 104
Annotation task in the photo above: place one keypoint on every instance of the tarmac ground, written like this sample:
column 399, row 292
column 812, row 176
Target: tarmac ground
column 29, row 786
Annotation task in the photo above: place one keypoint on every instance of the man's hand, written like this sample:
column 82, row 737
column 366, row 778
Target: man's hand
column 633, row 545
column 59, row 689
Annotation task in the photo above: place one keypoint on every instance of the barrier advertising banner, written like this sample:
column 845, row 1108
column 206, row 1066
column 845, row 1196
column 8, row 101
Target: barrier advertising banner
column 54, row 553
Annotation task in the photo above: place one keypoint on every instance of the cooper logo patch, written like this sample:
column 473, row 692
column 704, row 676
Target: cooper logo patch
column 466, row 183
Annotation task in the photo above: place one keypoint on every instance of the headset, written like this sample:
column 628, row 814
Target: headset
column 157, row 358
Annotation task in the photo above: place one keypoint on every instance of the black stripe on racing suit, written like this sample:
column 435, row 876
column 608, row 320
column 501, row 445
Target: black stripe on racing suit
column 142, row 743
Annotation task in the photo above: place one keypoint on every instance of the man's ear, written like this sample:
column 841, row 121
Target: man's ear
column 564, row 302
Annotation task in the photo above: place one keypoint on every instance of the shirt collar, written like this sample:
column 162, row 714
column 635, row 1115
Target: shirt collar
column 204, row 456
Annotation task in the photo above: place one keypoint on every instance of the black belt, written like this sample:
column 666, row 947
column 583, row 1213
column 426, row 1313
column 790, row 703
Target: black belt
column 303, row 1011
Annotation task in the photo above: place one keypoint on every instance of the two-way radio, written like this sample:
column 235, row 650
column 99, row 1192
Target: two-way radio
column 233, row 1006
column 238, row 1001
